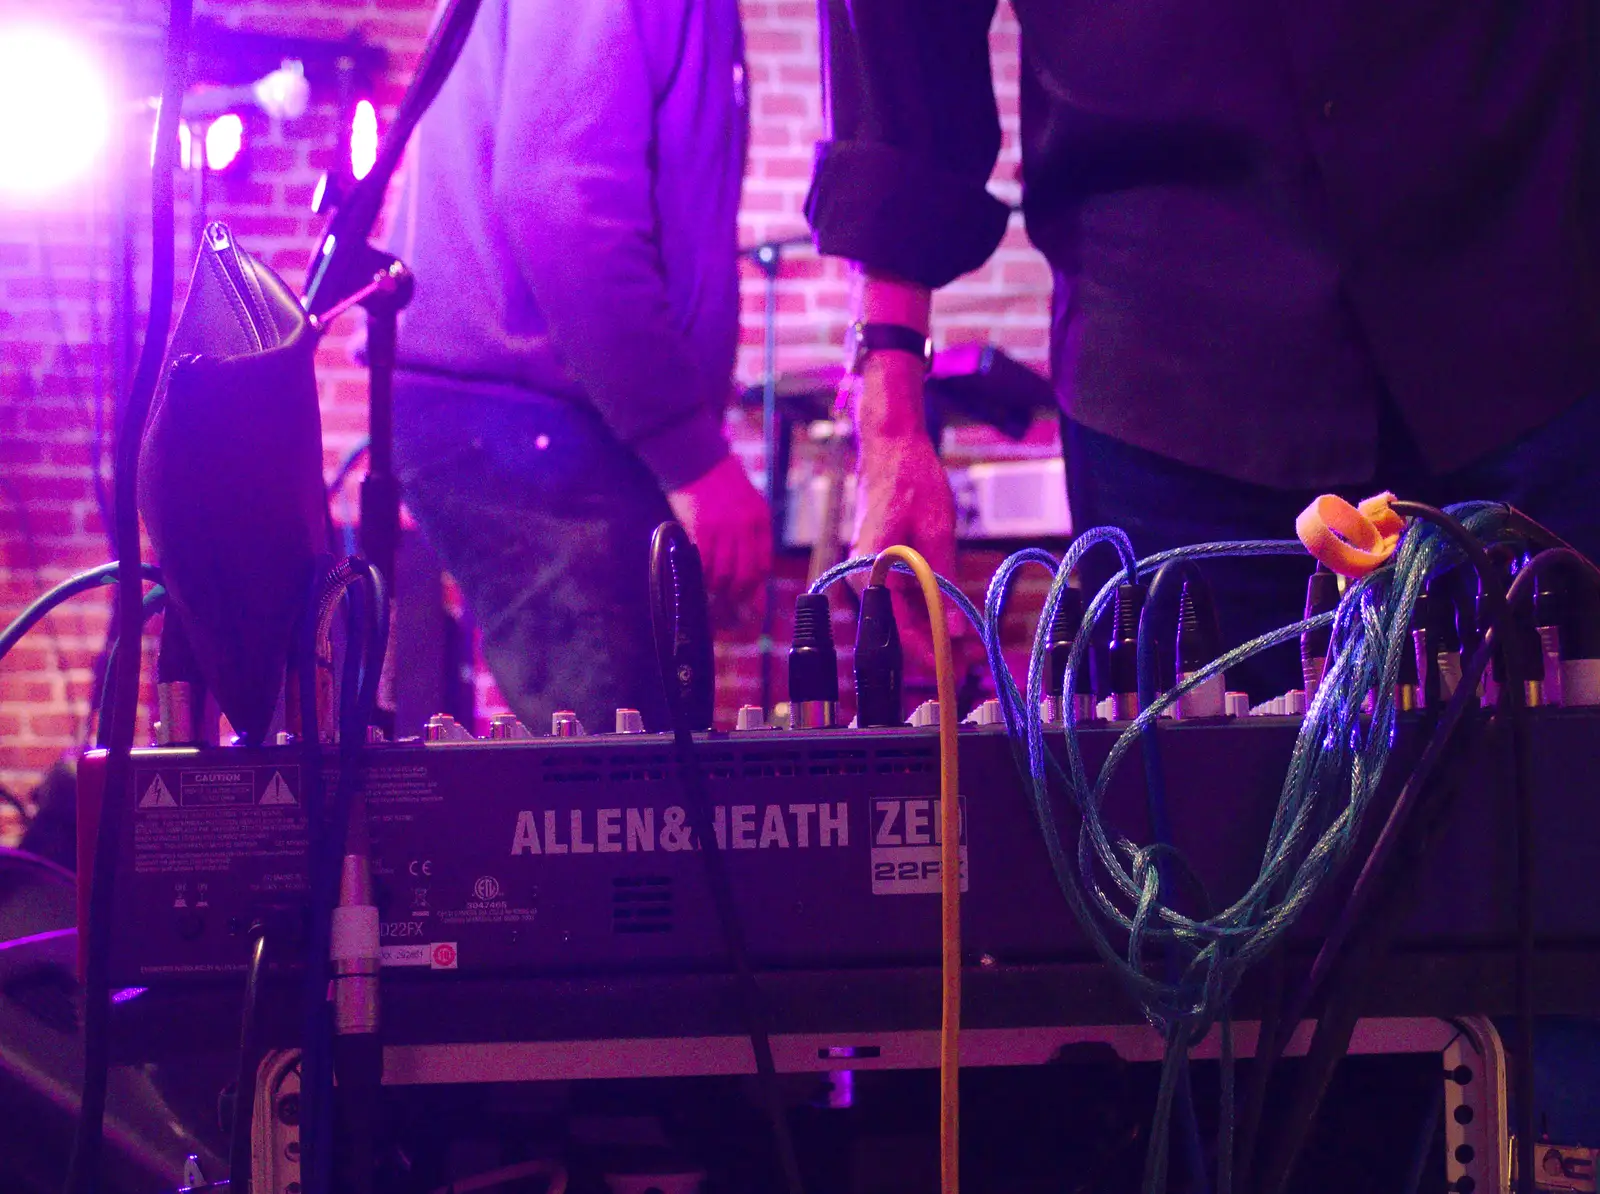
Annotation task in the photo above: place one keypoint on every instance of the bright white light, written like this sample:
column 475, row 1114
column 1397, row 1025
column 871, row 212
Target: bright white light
column 224, row 139
column 185, row 145
column 284, row 94
column 363, row 140
column 55, row 112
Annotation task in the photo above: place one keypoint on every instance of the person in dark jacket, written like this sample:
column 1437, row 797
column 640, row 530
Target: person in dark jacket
column 570, row 214
column 1348, row 246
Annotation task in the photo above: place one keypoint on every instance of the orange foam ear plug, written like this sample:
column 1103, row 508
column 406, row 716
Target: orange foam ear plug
column 1350, row 540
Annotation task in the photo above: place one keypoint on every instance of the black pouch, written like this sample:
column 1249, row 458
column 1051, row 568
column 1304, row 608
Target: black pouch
column 230, row 477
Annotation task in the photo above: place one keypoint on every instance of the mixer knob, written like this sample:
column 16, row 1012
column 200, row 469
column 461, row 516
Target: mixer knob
column 925, row 715
column 504, row 727
column 442, row 727
column 630, row 721
column 987, row 714
column 565, row 724
column 751, row 717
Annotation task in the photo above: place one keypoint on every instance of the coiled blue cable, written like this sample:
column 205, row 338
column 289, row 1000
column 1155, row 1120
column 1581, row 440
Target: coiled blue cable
column 1114, row 886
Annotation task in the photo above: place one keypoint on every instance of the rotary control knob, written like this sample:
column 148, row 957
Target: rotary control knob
column 441, row 727
column 565, row 724
column 987, row 714
column 504, row 727
column 751, row 717
column 630, row 721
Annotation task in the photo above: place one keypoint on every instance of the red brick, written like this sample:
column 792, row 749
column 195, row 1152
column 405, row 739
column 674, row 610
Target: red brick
column 784, row 104
column 58, row 727
column 44, row 425
column 790, row 167
column 764, row 42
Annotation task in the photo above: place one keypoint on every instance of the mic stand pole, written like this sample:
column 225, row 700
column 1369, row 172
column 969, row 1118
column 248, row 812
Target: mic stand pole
column 198, row 199
column 775, row 435
column 775, row 449
column 347, row 270
column 382, row 299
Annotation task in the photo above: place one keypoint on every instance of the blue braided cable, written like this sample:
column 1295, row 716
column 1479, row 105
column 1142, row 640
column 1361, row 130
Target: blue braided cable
column 862, row 563
column 1117, row 889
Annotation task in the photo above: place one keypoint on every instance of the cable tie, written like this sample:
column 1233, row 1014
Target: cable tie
column 1350, row 540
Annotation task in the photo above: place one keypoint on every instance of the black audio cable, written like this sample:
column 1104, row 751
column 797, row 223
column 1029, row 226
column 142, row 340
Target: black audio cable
column 879, row 662
column 357, row 1045
column 327, row 825
column 813, row 665
column 1491, row 581
column 180, row 688
column 83, row 1173
column 239, row 1157
column 1444, row 634
column 1371, row 913
column 1322, row 596
column 1524, row 660
column 1065, row 628
column 683, row 650
column 1122, row 656
column 1429, row 688
column 155, row 600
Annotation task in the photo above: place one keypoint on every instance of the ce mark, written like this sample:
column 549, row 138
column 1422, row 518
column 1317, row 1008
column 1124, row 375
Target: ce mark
column 420, row 867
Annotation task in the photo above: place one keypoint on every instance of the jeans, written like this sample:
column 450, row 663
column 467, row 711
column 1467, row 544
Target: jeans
column 1549, row 474
column 544, row 518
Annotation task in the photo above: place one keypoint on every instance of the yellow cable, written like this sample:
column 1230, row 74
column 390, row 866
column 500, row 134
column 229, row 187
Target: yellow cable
column 949, row 863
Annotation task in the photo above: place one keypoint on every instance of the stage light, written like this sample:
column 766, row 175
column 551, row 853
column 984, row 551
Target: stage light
column 55, row 112
column 224, row 140
column 363, row 139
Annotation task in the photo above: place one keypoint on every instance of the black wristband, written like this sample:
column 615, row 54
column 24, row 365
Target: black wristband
column 863, row 339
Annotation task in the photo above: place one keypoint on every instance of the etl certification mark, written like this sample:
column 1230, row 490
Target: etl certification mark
column 487, row 888
column 444, row 956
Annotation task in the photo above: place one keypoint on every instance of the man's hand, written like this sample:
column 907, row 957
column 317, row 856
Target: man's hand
column 903, row 496
column 730, row 524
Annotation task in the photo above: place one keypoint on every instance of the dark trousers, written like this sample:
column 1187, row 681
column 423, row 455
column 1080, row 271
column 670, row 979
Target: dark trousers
column 1550, row 474
column 544, row 519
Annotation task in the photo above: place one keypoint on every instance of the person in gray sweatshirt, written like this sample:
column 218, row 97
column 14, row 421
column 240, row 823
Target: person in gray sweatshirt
column 570, row 214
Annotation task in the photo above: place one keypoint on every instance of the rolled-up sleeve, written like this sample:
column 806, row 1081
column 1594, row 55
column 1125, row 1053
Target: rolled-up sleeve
column 572, row 177
column 900, row 183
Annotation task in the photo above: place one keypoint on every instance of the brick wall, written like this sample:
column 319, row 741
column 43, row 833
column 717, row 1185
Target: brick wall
column 55, row 301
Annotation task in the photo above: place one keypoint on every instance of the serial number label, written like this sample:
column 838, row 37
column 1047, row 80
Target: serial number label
column 906, row 843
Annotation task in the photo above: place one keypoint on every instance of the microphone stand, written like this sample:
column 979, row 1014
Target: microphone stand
column 775, row 435
column 348, row 271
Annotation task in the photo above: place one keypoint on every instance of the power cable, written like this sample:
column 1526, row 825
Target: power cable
column 683, row 651
column 83, row 1175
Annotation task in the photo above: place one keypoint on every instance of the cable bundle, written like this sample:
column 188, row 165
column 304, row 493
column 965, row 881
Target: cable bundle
column 1121, row 891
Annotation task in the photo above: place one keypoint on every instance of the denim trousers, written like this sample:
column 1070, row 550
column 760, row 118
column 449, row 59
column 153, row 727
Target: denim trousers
column 1550, row 474
column 544, row 519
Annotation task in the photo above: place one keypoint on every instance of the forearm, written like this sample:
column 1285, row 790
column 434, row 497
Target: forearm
column 888, row 403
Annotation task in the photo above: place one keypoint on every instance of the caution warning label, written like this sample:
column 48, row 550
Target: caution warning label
column 157, row 794
column 211, row 788
column 195, row 821
column 277, row 791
